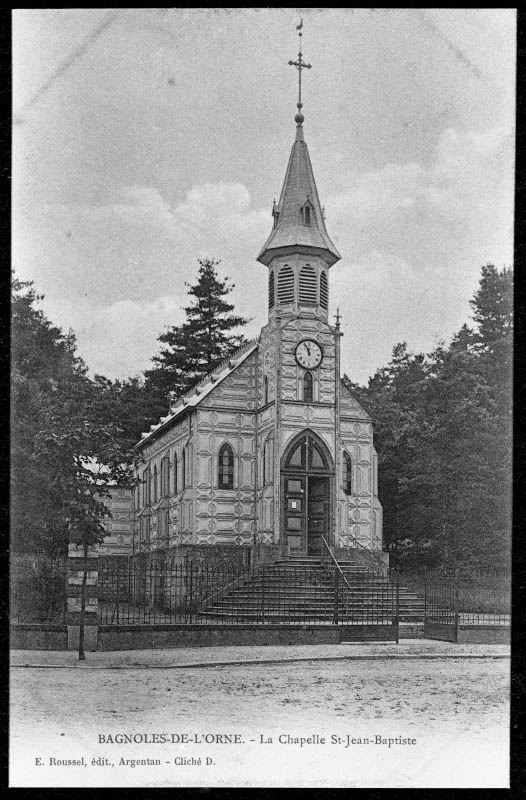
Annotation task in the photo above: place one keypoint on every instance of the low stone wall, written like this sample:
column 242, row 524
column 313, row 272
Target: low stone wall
column 412, row 630
column 142, row 637
column 468, row 634
column 38, row 636
column 443, row 633
column 484, row 634
column 367, row 633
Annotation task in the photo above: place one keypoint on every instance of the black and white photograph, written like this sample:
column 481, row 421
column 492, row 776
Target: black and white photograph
column 261, row 397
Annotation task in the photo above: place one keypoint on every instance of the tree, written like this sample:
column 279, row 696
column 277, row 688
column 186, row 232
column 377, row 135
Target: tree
column 443, row 434
column 56, row 433
column 64, row 458
column 206, row 338
column 131, row 403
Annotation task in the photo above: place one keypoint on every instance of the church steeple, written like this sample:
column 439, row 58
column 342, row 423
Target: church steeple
column 299, row 225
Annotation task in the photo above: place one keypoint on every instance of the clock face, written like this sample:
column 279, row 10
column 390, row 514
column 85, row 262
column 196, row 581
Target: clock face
column 309, row 354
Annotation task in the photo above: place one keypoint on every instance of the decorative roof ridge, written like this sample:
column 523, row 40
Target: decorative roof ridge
column 221, row 366
column 226, row 366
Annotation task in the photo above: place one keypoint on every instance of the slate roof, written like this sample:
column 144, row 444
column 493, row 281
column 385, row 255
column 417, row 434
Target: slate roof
column 299, row 187
column 197, row 393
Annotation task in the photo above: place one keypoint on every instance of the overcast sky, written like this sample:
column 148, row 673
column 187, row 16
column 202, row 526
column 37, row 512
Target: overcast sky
column 145, row 139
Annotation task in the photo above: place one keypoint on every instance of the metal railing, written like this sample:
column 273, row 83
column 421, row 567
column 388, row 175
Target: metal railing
column 364, row 596
column 282, row 593
column 371, row 557
column 452, row 603
column 37, row 589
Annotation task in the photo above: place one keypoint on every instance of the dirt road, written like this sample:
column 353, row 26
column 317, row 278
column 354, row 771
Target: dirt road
column 455, row 711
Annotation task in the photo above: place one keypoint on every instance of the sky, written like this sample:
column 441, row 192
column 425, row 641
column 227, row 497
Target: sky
column 145, row 139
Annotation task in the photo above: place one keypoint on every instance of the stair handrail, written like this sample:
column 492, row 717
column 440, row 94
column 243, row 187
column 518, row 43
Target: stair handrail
column 342, row 579
column 370, row 554
column 342, row 576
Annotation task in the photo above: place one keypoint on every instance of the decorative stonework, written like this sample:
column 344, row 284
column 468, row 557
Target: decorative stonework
column 259, row 400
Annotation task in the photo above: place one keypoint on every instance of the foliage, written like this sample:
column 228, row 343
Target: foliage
column 198, row 345
column 133, row 404
column 443, row 435
column 63, row 457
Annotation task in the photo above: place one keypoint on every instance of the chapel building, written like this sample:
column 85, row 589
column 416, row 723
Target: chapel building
column 270, row 450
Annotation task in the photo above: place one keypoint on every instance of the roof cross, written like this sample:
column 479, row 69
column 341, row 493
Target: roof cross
column 300, row 65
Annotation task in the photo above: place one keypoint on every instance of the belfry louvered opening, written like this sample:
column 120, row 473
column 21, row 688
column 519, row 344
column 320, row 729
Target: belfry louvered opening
column 286, row 285
column 324, row 291
column 271, row 290
column 308, row 287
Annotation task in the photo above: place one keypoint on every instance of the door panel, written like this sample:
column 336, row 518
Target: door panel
column 318, row 513
column 295, row 512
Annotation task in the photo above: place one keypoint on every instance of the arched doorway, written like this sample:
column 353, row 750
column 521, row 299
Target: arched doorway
column 306, row 475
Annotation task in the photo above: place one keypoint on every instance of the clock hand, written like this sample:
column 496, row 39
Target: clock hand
column 307, row 347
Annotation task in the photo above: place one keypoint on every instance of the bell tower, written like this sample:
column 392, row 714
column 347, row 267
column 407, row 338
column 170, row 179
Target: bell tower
column 299, row 251
column 298, row 361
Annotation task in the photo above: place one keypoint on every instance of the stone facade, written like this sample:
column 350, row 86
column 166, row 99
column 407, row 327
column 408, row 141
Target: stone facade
column 119, row 526
column 270, row 449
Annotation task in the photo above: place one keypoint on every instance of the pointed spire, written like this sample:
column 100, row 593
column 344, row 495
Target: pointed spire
column 299, row 221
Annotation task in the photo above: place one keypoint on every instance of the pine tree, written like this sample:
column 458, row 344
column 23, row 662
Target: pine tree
column 443, row 435
column 197, row 346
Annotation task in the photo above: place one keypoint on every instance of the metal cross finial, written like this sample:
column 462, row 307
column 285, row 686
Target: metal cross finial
column 337, row 317
column 299, row 64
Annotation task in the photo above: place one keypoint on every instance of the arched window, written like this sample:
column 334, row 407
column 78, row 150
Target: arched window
column 308, row 286
column 225, row 477
column 271, row 290
column 155, row 495
column 146, row 487
column 324, row 291
column 307, row 454
column 308, row 393
column 175, row 473
column 347, row 473
column 286, row 285
column 298, row 456
column 265, row 390
column 165, row 477
column 305, row 214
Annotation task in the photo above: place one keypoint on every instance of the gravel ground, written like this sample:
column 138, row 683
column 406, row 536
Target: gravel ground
column 203, row 655
column 454, row 709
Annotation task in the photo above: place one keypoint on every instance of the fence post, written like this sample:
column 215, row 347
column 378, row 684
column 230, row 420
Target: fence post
column 397, row 607
column 456, row 605
column 336, row 577
column 76, row 565
column 118, row 587
column 263, row 594
column 191, row 593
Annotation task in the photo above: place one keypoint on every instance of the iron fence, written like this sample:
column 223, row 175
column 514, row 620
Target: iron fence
column 37, row 589
column 284, row 593
column 361, row 595
column 464, row 603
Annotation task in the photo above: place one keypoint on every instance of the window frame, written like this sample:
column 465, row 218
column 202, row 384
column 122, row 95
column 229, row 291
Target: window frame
column 225, row 471
column 347, row 473
column 308, row 387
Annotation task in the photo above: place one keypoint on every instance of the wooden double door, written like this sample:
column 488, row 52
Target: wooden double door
column 306, row 501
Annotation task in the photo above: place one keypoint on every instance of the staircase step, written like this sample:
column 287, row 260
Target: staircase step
column 301, row 589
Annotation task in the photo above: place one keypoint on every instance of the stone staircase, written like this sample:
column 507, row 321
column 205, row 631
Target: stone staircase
column 301, row 590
